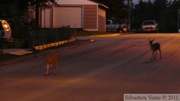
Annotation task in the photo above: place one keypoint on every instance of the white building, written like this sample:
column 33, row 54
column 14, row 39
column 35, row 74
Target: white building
column 82, row 14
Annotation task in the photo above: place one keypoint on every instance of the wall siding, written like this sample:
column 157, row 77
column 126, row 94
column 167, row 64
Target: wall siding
column 46, row 18
column 90, row 17
column 102, row 20
column 64, row 16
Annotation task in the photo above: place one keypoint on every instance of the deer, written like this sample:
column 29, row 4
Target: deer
column 52, row 59
column 154, row 48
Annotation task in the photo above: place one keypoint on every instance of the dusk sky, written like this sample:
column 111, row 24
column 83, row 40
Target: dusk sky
column 136, row 1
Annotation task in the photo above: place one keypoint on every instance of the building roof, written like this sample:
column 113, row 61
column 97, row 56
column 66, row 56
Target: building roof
column 80, row 2
column 76, row 2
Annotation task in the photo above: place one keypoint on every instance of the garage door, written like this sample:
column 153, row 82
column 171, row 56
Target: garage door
column 64, row 16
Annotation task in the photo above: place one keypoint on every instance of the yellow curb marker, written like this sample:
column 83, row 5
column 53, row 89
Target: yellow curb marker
column 45, row 46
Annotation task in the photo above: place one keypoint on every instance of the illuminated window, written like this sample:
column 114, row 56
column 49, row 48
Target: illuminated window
column 99, row 12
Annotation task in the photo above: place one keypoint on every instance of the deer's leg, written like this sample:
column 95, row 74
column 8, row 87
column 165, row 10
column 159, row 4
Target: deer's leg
column 160, row 53
column 47, row 69
column 56, row 69
column 152, row 55
column 155, row 55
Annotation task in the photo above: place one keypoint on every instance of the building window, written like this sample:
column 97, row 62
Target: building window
column 99, row 12
column 102, row 13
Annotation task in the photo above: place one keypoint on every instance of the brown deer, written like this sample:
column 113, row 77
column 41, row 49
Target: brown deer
column 154, row 48
column 52, row 59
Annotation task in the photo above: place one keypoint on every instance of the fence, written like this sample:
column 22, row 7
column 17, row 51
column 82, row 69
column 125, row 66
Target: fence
column 49, row 35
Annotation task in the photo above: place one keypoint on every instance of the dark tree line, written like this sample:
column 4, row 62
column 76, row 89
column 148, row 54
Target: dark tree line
column 117, row 9
column 163, row 11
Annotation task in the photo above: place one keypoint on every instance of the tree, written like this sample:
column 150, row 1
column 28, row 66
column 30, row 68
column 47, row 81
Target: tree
column 116, row 10
column 163, row 11
column 142, row 11
column 16, row 12
column 19, row 7
column 36, row 4
column 171, row 16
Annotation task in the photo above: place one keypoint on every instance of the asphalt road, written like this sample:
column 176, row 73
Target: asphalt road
column 103, row 70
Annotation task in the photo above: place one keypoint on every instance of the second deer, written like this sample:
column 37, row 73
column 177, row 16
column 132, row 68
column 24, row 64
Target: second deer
column 52, row 59
column 154, row 48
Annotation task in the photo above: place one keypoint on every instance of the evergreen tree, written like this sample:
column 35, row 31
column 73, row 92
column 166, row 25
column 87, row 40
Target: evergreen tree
column 163, row 11
column 160, row 12
column 172, row 16
column 142, row 11
column 16, row 13
column 116, row 10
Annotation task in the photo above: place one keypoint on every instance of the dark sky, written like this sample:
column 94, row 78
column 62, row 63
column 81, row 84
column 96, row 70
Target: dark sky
column 136, row 1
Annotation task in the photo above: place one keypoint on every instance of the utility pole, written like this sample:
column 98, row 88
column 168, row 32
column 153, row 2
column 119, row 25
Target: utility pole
column 129, row 14
column 1, row 41
column 178, row 24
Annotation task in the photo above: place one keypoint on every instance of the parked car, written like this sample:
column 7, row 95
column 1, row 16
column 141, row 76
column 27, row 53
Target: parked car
column 112, row 26
column 115, row 27
column 5, row 31
column 149, row 26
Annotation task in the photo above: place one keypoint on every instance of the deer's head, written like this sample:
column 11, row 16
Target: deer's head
column 151, row 41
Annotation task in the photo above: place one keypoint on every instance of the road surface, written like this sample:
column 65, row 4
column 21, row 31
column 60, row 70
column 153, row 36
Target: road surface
column 104, row 70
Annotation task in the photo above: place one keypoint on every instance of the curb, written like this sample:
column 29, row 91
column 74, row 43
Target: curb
column 40, row 52
column 54, row 44
column 37, row 48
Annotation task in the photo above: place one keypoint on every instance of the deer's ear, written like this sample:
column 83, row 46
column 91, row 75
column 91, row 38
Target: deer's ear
column 151, row 39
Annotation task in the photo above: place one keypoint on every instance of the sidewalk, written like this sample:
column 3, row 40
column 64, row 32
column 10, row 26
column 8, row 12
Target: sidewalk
column 17, row 51
column 40, row 47
column 14, row 55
